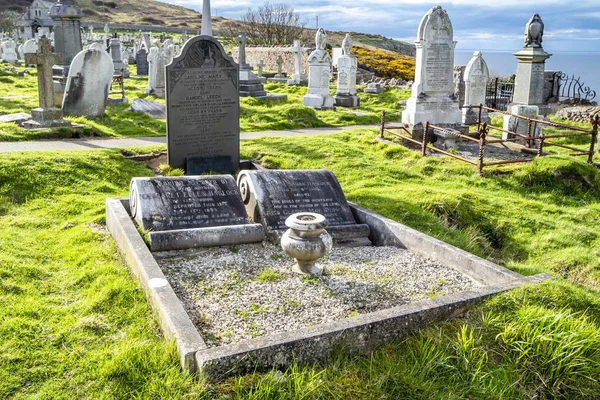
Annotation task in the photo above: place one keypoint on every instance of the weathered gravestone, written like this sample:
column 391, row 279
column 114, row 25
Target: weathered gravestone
column 88, row 84
column 433, row 98
column 141, row 62
column 521, row 126
column 46, row 115
column 202, row 104
column 319, row 72
column 30, row 47
column 151, row 108
column 271, row 196
column 9, row 53
column 193, row 211
column 345, row 95
column 476, row 78
column 152, row 68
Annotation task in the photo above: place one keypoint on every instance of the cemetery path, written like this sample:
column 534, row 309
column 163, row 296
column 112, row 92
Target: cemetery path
column 117, row 143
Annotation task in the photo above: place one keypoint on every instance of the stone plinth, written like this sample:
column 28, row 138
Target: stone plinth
column 433, row 99
column 46, row 118
column 529, row 82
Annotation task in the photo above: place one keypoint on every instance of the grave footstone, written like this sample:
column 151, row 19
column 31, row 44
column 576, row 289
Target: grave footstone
column 521, row 126
column 270, row 196
column 433, row 98
column 88, row 84
column 346, row 82
column 202, row 103
column 476, row 78
column 319, row 73
column 194, row 211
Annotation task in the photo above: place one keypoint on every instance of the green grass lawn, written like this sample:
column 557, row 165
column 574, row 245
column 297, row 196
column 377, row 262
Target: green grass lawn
column 75, row 324
column 255, row 115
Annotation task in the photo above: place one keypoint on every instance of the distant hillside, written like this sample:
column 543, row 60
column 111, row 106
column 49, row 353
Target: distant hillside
column 14, row 5
column 152, row 12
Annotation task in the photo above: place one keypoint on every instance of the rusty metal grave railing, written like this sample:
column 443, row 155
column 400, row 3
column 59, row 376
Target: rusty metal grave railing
column 483, row 129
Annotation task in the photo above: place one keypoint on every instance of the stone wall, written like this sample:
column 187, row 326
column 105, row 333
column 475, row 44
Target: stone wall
column 269, row 56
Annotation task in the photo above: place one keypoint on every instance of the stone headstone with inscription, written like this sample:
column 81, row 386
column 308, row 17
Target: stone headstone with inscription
column 202, row 103
column 9, row 52
column 193, row 211
column 433, row 98
column 347, row 65
column 88, row 84
column 476, row 78
column 271, row 196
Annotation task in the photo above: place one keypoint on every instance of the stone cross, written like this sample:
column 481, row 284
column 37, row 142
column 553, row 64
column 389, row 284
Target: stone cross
column 297, row 50
column 260, row 66
column 206, row 28
column 242, row 39
column 279, row 65
column 44, row 60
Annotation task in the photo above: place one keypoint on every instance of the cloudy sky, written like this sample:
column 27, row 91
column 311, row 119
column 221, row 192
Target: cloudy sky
column 570, row 25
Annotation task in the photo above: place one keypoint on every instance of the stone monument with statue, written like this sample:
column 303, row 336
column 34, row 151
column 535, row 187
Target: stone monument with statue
column 319, row 72
column 529, row 81
column 346, row 81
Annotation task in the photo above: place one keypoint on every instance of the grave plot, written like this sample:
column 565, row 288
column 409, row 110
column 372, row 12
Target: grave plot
column 228, row 295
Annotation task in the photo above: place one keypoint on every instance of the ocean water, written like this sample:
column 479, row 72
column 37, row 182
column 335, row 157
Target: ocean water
column 582, row 64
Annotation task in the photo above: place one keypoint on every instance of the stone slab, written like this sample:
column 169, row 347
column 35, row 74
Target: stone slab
column 202, row 103
column 151, row 108
column 17, row 118
column 203, row 165
column 182, row 239
column 170, row 203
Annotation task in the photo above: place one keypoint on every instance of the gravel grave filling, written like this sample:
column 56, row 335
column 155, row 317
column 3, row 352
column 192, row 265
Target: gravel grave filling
column 241, row 292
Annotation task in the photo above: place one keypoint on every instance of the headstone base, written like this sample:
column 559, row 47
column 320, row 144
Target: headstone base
column 278, row 80
column 251, row 85
column 374, row 88
column 471, row 115
column 46, row 118
column 319, row 102
column 416, row 131
column 298, row 80
column 347, row 100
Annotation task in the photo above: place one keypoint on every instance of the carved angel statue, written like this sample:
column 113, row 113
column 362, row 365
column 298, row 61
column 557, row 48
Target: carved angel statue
column 347, row 45
column 534, row 31
column 321, row 39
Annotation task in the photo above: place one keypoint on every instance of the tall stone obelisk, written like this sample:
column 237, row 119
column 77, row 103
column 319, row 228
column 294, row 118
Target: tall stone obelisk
column 206, row 28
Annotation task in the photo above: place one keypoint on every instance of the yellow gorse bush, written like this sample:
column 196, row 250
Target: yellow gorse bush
column 387, row 64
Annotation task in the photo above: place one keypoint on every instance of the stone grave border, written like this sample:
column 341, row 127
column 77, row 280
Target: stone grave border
column 354, row 334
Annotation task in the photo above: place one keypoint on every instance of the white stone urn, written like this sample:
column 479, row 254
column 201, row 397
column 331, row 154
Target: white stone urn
column 306, row 241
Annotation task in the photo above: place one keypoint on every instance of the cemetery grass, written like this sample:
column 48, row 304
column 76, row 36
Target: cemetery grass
column 77, row 325
column 255, row 115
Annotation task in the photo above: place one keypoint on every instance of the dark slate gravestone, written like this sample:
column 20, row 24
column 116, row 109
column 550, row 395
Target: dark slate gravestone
column 203, row 165
column 184, row 212
column 271, row 196
column 141, row 62
column 203, row 106
column 151, row 108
